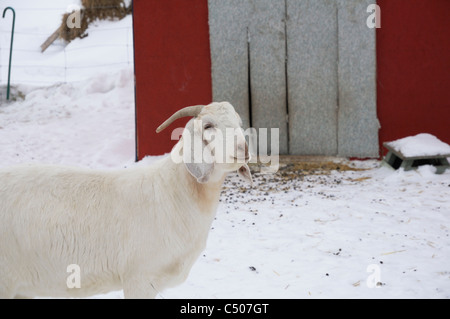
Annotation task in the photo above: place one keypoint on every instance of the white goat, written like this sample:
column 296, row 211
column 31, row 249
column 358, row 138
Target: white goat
column 138, row 229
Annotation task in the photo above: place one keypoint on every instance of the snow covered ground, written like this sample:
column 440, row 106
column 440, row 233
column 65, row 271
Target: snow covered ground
column 304, row 232
column 108, row 46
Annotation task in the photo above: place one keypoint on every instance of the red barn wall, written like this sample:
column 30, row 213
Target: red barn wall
column 172, row 66
column 413, row 68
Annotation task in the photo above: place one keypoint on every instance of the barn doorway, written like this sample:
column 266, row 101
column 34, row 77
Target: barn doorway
column 306, row 67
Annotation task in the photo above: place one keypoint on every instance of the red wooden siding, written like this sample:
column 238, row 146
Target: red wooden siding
column 172, row 66
column 413, row 68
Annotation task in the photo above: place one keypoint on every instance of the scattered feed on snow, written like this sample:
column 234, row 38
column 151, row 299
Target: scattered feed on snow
column 344, row 229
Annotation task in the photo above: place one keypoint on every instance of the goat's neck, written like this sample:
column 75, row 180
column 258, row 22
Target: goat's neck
column 205, row 195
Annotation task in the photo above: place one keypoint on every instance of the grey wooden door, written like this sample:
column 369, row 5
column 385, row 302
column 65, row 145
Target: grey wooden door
column 306, row 67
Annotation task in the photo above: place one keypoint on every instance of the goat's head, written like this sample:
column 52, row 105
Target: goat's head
column 212, row 142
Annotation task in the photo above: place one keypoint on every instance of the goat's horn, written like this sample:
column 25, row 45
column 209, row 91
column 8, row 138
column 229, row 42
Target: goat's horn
column 184, row 112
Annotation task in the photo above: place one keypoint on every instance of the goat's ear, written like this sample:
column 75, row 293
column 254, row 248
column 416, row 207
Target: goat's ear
column 196, row 154
column 244, row 172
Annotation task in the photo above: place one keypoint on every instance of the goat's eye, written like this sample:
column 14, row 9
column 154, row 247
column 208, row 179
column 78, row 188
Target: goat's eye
column 208, row 126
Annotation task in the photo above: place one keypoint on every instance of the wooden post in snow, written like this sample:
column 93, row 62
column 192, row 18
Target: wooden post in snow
column 50, row 40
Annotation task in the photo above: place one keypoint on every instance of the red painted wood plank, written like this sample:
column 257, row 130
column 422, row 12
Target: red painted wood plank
column 172, row 66
column 413, row 69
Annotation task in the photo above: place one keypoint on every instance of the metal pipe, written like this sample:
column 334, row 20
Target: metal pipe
column 11, row 47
